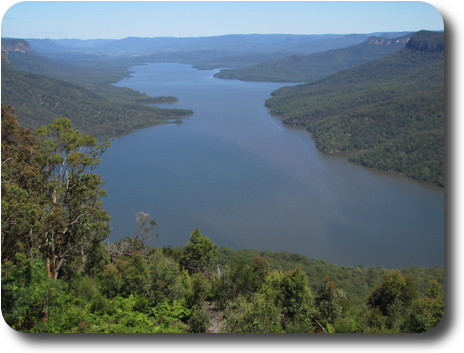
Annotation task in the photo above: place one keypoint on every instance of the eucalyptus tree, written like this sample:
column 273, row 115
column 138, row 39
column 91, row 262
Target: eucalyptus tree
column 76, row 221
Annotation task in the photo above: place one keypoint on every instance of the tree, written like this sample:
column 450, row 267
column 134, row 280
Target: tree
column 199, row 290
column 51, row 203
column 143, row 234
column 257, row 315
column 242, row 278
column 74, row 214
column 200, row 253
column 22, row 184
column 326, row 301
column 427, row 311
column 393, row 296
column 290, row 293
column 29, row 297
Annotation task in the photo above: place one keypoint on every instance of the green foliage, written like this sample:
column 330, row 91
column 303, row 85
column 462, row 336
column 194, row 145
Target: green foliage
column 166, row 282
column 326, row 302
column 258, row 315
column 240, row 278
column 356, row 281
column 395, row 290
column 199, row 321
column 199, row 255
column 154, row 277
column 22, row 183
column 419, row 155
column 40, row 99
column 157, row 100
column 58, row 212
column 29, row 296
column 200, row 289
column 290, row 292
column 392, row 297
column 388, row 112
column 348, row 324
column 283, row 304
column 111, row 279
column 427, row 311
column 75, row 215
column 124, row 318
column 59, row 276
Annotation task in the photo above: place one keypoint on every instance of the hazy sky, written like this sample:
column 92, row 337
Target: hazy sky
column 115, row 19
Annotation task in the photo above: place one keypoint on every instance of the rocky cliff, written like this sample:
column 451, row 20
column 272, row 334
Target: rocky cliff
column 19, row 45
column 387, row 41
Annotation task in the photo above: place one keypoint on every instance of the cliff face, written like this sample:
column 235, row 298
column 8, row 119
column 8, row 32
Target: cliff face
column 15, row 45
column 5, row 57
column 387, row 41
column 426, row 41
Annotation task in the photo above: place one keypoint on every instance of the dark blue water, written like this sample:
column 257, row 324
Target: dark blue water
column 246, row 181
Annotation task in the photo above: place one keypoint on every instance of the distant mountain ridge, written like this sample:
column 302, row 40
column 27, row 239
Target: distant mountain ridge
column 237, row 43
column 299, row 68
column 228, row 51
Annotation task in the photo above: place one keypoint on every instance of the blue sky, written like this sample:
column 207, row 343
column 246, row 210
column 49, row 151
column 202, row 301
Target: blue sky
column 114, row 19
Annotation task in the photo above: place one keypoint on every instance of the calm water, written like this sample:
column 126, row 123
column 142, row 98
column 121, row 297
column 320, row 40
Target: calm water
column 246, row 181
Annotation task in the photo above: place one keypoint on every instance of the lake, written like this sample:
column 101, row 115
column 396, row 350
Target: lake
column 246, row 181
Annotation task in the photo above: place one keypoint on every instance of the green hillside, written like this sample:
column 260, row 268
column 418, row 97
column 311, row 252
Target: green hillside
column 96, row 74
column 39, row 99
column 59, row 275
column 389, row 113
column 307, row 68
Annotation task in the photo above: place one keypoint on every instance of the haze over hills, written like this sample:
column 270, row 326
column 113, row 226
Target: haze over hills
column 231, row 51
column 39, row 99
column 299, row 68
column 390, row 111
column 243, row 43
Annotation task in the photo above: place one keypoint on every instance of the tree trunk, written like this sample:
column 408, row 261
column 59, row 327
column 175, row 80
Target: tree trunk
column 47, row 265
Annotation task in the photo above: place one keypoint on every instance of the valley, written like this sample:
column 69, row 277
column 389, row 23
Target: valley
column 314, row 164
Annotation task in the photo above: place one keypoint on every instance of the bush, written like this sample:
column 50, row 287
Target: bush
column 200, row 321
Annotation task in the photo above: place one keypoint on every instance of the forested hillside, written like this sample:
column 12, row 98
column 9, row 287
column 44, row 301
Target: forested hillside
column 307, row 68
column 40, row 99
column 389, row 113
column 59, row 274
column 100, row 109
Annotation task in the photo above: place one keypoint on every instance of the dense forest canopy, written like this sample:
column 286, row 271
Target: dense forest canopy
column 389, row 112
column 307, row 68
